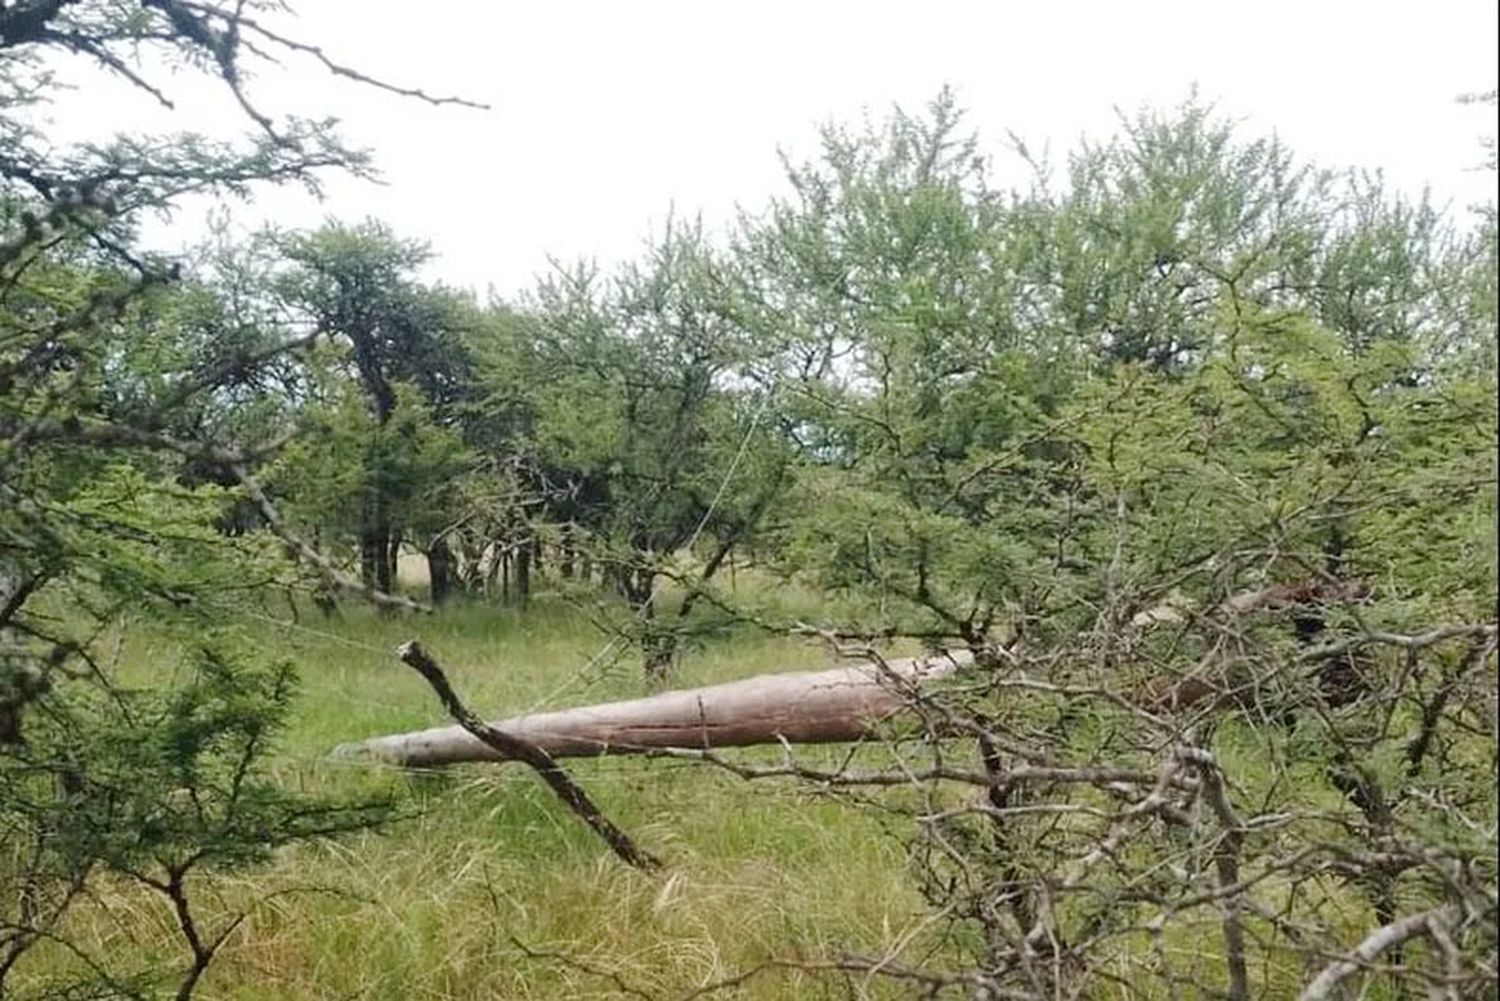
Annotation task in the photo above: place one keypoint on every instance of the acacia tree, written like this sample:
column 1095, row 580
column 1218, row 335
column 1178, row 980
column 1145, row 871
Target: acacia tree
column 1215, row 527
column 645, row 414
column 355, row 284
column 917, row 391
column 110, row 371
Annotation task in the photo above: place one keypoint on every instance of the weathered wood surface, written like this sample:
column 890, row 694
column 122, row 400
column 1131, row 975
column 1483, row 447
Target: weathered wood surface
column 840, row 704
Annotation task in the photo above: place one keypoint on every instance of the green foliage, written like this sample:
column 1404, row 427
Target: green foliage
column 1188, row 412
column 640, row 429
column 331, row 473
column 403, row 349
column 356, row 283
column 1299, row 457
column 153, row 785
column 130, row 400
column 956, row 341
column 1249, row 415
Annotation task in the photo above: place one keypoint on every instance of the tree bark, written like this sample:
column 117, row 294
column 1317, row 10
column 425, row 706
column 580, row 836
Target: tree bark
column 523, row 573
column 841, row 704
column 393, row 540
column 369, row 557
column 439, row 570
column 375, row 550
column 565, row 554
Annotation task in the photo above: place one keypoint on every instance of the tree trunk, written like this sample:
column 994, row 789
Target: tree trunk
column 488, row 568
column 371, row 556
column 565, row 555
column 376, row 558
column 658, row 650
column 523, row 573
column 392, row 557
column 658, row 646
column 439, row 571
column 384, row 562
column 841, row 704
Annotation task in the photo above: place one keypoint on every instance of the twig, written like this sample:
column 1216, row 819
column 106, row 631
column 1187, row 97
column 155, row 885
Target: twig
column 174, row 888
column 1413, row 642
column 622, row 985
column 1432, row 710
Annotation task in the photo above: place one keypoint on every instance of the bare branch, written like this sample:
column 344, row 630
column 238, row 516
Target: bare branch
column 1379, row 941
column 533, row 756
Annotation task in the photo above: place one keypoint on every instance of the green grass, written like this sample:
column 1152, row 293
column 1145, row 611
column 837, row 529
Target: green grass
column 490, row 889
column 447, row 904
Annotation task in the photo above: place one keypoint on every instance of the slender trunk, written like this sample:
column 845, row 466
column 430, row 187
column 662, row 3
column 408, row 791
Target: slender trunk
column 375, row 550
column 439, row 570
column 384, row 555
column 393, row 555
column 492, row 567
column 619, row 579
column 371, row 557
column 565, row 555
column 658, row 646
column 659, row 650
column 325, row 598
column 710, row 568
column 324, row 594
column 524, row 554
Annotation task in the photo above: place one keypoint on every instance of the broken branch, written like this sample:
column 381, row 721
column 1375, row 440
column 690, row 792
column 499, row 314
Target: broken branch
column 511, row 746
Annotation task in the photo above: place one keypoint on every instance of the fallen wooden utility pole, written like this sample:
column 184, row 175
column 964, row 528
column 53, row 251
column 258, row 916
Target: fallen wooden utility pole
column 841, row 704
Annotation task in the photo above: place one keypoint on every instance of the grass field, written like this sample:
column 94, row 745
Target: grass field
column 488, row 888
column 462, row 899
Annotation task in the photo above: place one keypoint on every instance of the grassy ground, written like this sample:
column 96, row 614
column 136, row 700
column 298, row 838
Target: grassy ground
column 489, row 889
column 460, row 900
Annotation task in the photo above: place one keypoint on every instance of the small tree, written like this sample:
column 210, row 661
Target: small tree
column 348, row 463
column 355, row 284
column 111, row 499
column 643, row 413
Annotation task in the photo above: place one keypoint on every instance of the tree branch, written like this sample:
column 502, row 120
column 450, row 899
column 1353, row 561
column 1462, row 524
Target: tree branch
column 1381, row 940
column 530, row 754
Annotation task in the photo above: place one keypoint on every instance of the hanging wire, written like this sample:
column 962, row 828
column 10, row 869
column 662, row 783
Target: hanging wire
column 322, row 634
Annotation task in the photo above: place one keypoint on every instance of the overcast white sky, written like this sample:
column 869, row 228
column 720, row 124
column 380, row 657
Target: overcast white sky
column 604, row 115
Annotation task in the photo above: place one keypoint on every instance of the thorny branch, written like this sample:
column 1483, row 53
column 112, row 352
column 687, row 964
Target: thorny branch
column 1108, row 852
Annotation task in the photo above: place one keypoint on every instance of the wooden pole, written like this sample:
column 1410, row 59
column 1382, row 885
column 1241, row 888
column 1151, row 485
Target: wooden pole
column 841, row 704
